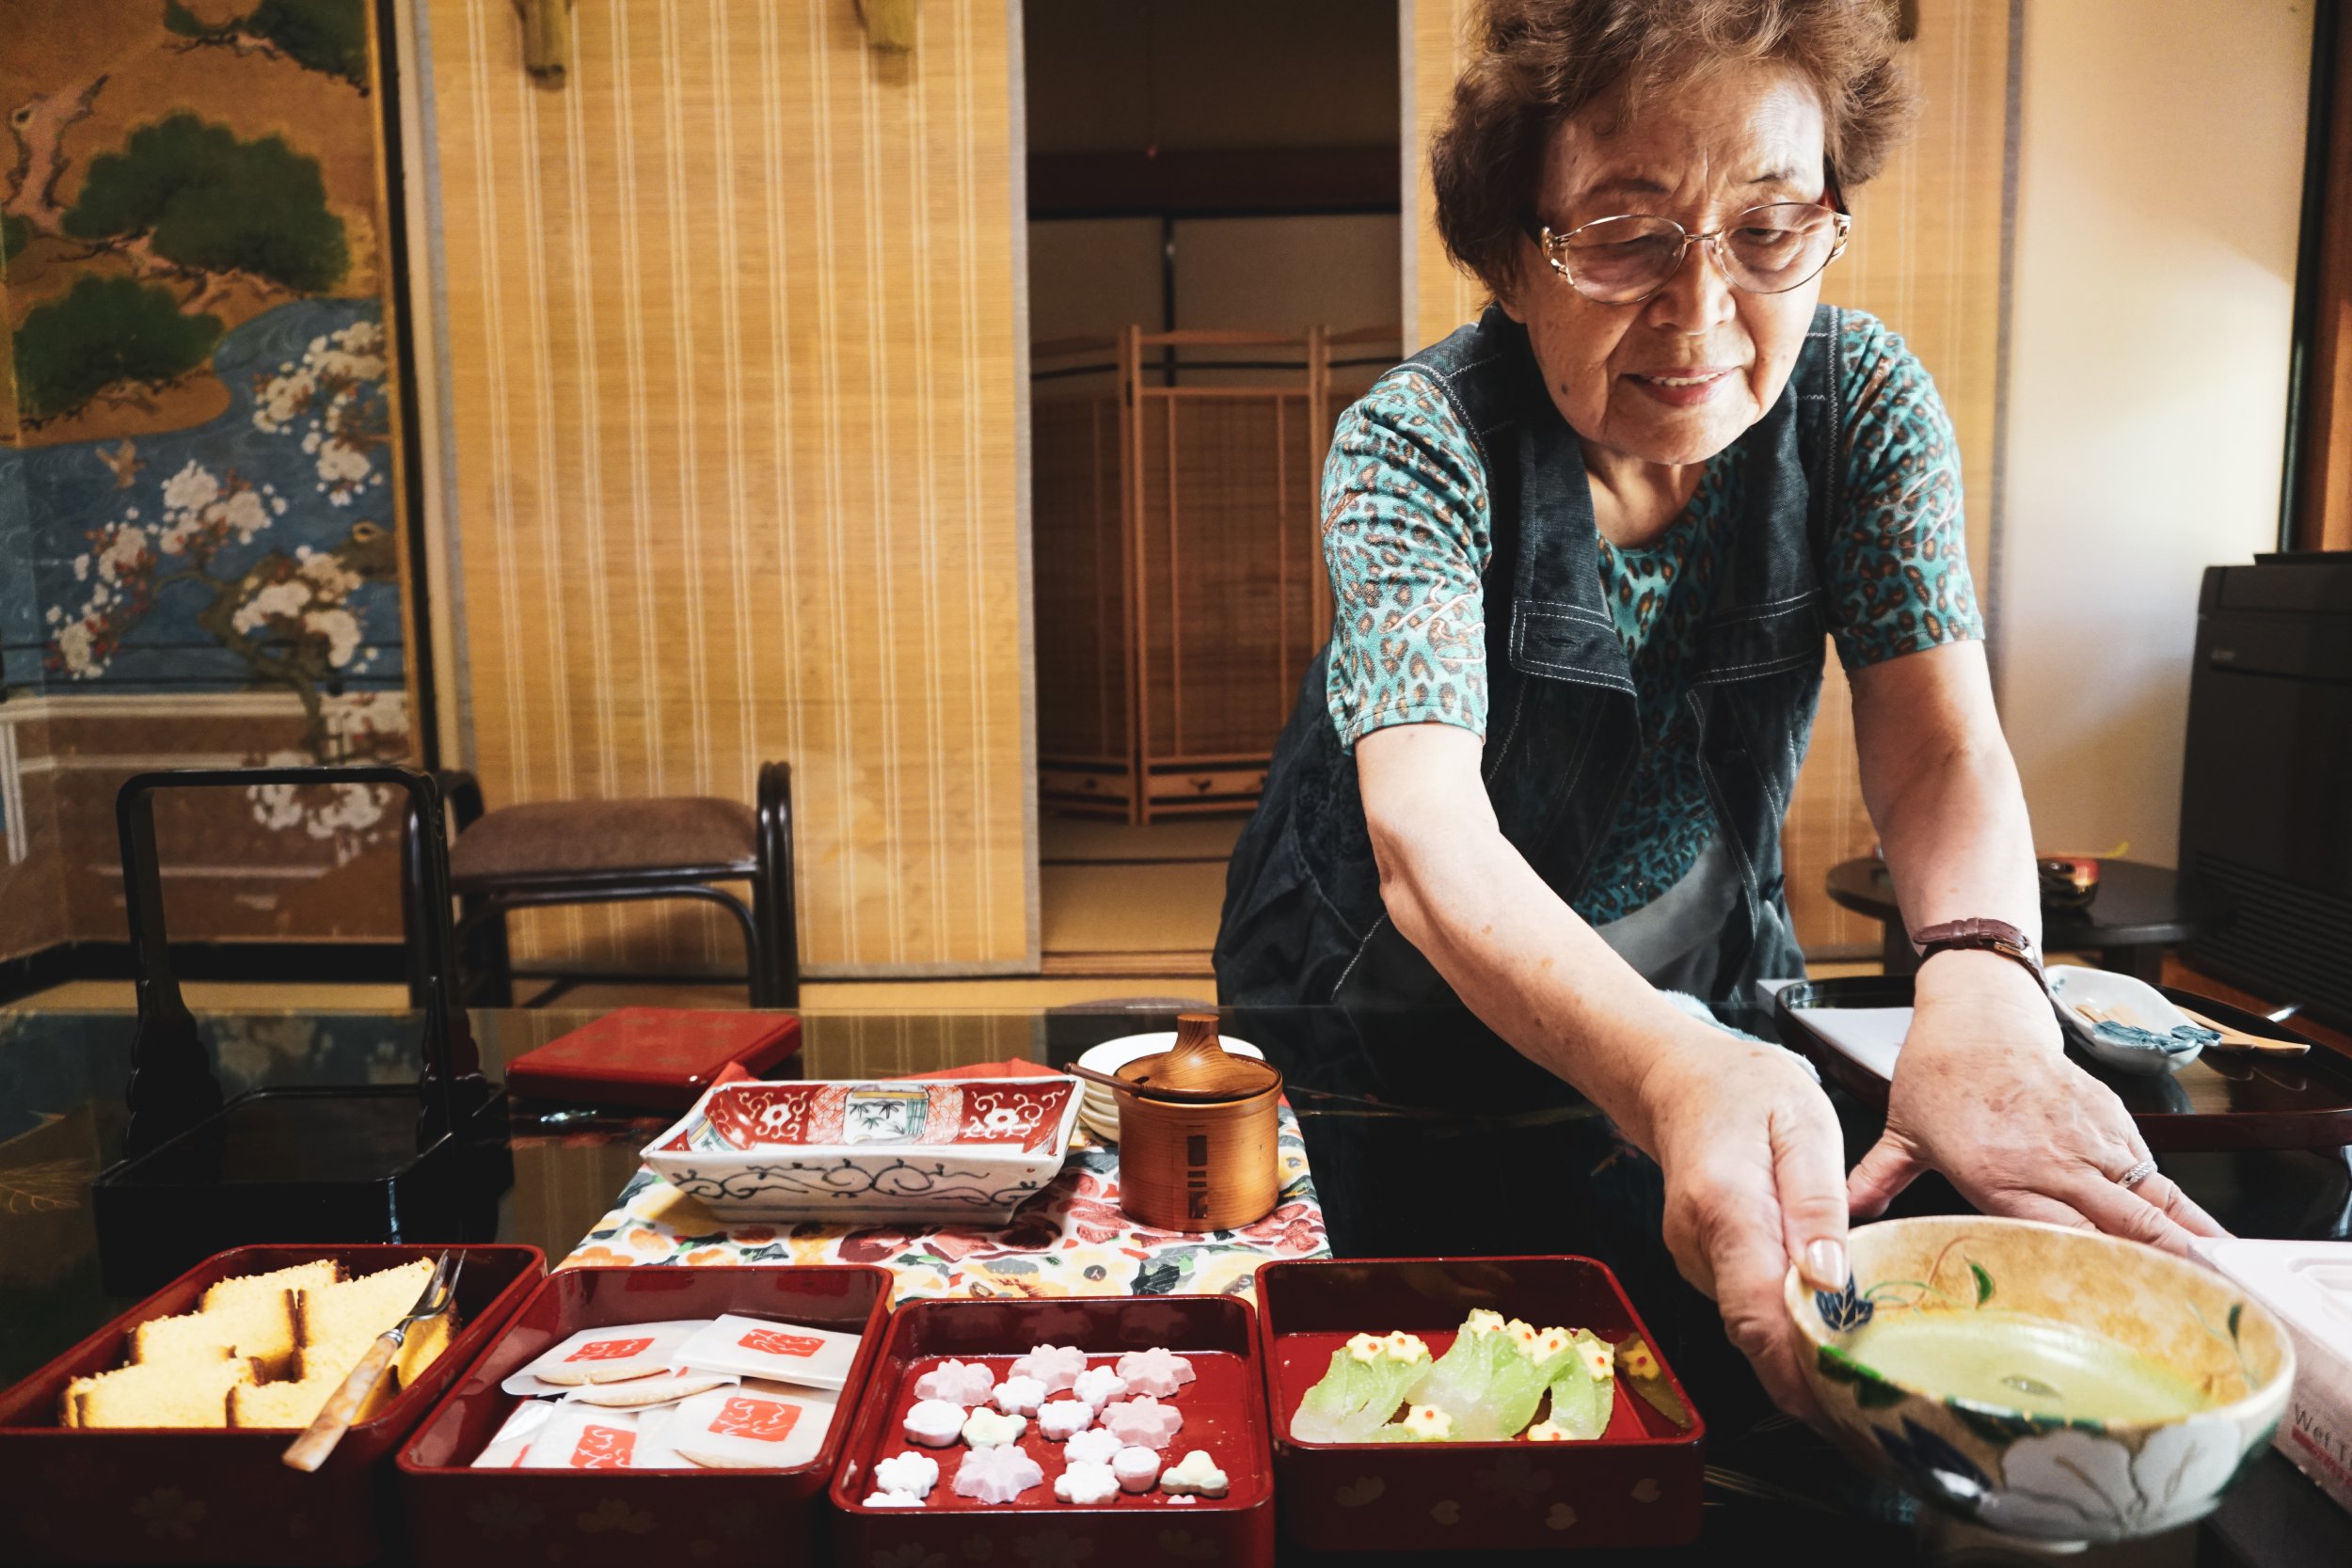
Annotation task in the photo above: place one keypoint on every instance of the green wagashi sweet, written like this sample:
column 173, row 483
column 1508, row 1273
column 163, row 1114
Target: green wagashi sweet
column 1366, row 1383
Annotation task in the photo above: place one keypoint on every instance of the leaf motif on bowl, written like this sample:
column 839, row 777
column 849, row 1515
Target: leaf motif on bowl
column 1842, row 1310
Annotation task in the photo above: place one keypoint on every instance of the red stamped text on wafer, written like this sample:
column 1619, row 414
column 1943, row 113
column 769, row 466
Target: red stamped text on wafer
column 603, row 1448
column 768, row 1342
column 609, row 1350
column 762, row 1420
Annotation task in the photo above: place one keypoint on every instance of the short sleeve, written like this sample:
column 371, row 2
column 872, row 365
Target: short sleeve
column 1899, row 578
column 1406, row 539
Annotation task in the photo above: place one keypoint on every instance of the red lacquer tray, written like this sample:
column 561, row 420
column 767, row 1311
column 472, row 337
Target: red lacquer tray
column 1224, row 1411
column 1638, row 1485
column 661, row 1058
column 155, row 1496
column 632, row 1518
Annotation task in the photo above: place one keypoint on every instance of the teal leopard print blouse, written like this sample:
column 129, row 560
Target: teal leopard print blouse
column 1404, row 537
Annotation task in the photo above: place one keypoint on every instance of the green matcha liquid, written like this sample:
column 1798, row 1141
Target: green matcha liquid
column 2021, row 1362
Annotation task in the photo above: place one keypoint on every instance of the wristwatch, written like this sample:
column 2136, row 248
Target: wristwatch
column 1989, row 936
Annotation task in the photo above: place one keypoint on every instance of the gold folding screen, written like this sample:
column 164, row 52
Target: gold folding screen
column 1926, row 259
column 735, row 392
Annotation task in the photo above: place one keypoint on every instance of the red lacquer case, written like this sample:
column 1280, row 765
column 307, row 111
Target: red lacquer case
column 656, row 1058
column 213, row 1496
column 461, row 1517
column 1638, row 1485
column 1223, row 1410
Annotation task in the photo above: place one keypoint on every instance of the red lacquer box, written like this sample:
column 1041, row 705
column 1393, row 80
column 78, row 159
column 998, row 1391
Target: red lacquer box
column 1223, row 1410
column 150, row 1494
column 458, row 1516
column 1638, row 1485
column 660, row 1058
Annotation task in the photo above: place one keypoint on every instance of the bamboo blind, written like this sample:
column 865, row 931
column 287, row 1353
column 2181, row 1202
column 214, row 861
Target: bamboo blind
column 1926, row 259
column 731, row 329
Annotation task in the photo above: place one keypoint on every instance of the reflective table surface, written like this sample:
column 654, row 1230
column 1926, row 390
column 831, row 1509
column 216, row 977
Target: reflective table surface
column 1425, row 1133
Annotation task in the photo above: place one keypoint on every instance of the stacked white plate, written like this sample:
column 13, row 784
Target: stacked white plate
column 1098, row 1107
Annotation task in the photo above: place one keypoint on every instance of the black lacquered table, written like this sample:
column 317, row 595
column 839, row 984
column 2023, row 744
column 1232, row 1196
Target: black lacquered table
column 2137, row 913
column 1426, row 1135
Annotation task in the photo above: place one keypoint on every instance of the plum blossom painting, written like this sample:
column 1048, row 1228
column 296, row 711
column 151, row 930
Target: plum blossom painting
column 201, row 498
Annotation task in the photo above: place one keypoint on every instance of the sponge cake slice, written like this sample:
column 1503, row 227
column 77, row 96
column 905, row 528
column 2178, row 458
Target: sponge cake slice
column 160, row 1394
column 295, row 1404
column 334, row 1325
column 256, row 1323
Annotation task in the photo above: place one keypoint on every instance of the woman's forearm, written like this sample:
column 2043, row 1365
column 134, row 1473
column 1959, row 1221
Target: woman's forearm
column 1513, row 950
column 1943, row 791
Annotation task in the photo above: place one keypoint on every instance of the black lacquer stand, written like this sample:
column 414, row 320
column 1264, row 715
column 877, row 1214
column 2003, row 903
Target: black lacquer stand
column 305, row 1164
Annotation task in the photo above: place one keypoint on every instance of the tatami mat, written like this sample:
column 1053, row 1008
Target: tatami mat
column 1181, row 838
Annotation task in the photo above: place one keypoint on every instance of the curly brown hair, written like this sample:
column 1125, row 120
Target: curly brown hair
column 1535, row 62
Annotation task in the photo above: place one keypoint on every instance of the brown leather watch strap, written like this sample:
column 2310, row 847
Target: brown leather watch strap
column 1982, row 935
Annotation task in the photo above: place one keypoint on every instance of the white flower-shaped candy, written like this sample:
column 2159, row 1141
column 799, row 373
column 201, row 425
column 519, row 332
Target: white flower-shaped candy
column 894, row 1499
column 1055, row 1366
column 1091, row 1446
column 1136, row 1468
column 1195, row 1474
column 1060, row 1420
column 1098, row 1386
column 1156, row 1372
column 1142, row 1421
column 934, row 1424
column 1087, row 1484
column 965, row 1383
column 912, row 1473
column 987, row 1429
column 996, row 1474
column 1019, row 1396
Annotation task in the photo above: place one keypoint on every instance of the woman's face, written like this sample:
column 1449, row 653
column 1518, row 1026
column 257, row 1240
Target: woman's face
column 1679, row 377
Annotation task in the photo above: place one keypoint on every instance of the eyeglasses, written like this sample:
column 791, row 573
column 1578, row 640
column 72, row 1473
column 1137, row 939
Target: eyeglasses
column 1764, row 250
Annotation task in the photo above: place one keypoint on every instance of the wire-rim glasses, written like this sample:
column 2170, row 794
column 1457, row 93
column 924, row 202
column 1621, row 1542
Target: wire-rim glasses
column 1764, row 250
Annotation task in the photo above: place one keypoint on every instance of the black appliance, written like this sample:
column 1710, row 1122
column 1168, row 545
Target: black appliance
column 2266, row 792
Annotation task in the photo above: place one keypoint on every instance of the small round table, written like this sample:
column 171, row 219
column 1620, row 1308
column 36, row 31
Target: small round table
column 2139, row 911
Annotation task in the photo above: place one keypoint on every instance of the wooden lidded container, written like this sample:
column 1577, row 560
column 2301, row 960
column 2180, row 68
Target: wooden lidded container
column 1207, row 1161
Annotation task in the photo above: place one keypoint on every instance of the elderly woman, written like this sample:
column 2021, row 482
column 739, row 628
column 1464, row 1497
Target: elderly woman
column 1584, row 554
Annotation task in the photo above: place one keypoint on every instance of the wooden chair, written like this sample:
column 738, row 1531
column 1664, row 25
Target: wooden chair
column 554, row 852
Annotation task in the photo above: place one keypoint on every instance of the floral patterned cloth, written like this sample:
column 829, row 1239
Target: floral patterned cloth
column 1408, row 543
column 1070, row 1240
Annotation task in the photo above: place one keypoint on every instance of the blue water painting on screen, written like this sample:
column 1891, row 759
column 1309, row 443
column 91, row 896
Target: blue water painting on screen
column 253, row 552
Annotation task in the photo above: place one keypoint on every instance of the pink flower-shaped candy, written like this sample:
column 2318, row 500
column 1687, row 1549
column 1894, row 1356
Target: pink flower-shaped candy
column 958, row 1382
column 1061, row 1420
column 1142, row 1422
column 1055, row 1366
column 998, row 1475
column 934, row 1424
column 1156, row 1372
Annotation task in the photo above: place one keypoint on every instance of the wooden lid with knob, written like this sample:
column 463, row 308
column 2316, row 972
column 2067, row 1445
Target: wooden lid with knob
column 1198, row 1064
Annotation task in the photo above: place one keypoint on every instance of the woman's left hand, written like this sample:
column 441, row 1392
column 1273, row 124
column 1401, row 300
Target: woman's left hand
column 1985, row 1094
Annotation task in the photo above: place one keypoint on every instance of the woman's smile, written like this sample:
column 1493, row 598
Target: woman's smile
column 1685, row 389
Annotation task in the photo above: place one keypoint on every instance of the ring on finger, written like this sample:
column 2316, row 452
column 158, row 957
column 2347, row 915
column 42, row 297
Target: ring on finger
column 2137, row 1174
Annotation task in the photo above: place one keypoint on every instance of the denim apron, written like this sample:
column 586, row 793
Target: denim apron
column 1303, row 921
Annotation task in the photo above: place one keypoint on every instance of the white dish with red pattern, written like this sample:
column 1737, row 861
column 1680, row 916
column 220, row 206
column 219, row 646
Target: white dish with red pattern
column 870, row 1151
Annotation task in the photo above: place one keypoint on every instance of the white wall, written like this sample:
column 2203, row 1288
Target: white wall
column 2160, row 174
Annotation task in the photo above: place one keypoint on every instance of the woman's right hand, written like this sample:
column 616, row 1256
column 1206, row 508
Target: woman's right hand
column 1755, row 1179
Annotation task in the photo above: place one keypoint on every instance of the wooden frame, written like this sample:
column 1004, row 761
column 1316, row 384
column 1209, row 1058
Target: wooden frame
column 1215, row 482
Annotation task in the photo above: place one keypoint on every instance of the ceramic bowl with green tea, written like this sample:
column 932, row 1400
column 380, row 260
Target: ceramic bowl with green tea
column 2049, row 1384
